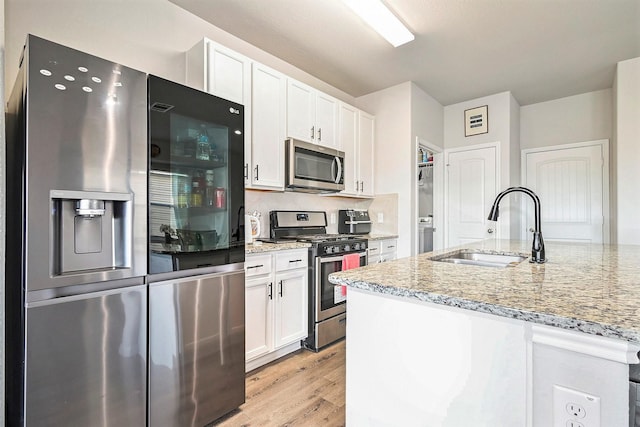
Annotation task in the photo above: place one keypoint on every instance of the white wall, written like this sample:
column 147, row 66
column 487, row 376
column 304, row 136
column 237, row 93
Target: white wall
column 148, row 35
column 627, row 151
column 579, row 118
column 501, row 110
column 393, row 156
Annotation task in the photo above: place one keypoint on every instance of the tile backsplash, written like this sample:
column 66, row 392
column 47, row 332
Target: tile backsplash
column 265, row 201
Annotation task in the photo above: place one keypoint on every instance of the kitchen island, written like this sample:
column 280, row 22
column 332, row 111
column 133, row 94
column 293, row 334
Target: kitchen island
column 439, row 344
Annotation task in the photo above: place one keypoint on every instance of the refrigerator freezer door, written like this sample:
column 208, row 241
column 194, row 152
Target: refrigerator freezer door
column 86, row 359
column 196, row 349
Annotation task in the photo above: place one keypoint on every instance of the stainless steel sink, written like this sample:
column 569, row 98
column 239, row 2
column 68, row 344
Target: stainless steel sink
column 480, row 258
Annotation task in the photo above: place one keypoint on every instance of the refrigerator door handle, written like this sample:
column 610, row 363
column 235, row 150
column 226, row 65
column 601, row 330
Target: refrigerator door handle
column 80, row 297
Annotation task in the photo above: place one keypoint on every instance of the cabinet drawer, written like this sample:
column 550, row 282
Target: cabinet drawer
column 374, row 248
column 291, row 260
column 388, row 246
column 258, row 264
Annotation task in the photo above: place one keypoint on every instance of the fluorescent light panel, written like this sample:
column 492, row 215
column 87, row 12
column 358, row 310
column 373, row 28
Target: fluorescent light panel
column 381, row 19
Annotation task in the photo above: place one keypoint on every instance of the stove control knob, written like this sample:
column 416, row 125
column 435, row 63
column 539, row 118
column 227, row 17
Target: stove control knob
column 336, row 249
column 327, row 249
column 347, row 248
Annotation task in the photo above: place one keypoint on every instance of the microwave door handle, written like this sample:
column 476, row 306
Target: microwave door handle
column 339, row 174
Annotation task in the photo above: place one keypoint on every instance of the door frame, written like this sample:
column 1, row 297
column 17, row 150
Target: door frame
column 606, row 207
column 438, row 195
column 447, row 152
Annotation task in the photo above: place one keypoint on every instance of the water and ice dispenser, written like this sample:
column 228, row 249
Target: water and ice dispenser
column 92, row 231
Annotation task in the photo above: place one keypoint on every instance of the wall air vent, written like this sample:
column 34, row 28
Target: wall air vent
column 160, row 107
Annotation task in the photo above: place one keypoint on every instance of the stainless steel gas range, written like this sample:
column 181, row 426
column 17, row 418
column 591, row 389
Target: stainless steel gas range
column 327, row 302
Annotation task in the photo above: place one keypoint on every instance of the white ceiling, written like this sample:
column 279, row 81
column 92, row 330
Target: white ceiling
column 464, row 49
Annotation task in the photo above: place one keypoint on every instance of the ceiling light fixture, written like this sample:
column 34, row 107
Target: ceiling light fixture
column 381, row 19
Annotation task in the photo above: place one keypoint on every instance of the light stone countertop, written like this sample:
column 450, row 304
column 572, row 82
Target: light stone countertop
column 270, row 247
column 589, row 288
column 380, row 236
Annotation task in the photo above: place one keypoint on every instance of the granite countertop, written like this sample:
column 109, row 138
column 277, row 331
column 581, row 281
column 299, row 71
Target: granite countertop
column 590, row 288
column 380, row 236
column 269, row 247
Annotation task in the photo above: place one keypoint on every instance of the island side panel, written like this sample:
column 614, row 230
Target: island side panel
column 421, row 364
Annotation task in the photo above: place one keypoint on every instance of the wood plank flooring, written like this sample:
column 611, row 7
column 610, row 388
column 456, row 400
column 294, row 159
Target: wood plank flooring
column 301, row 389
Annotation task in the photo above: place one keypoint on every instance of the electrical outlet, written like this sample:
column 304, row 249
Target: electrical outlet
column 380, row 217
column 573, row 408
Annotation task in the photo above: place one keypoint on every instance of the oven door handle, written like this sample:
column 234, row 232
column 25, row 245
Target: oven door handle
column 322, row 260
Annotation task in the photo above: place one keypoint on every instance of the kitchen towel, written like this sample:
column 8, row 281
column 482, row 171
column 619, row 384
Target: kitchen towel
column 348, row 262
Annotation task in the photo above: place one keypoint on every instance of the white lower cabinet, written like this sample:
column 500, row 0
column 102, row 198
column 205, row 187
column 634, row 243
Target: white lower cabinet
column 276, row 305
column 382, row 251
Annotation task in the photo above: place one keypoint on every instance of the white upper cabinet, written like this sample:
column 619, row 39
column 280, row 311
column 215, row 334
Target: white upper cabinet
column 269, row 120
column 312, row 116
column 223, row 72
column 356, row 140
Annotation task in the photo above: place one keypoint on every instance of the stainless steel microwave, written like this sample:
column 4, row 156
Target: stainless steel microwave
column 313, row 168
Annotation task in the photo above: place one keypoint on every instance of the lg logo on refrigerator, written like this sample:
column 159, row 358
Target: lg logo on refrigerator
column 234, row 111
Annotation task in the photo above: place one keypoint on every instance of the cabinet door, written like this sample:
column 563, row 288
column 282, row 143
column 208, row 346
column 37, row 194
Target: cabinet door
column 301, row 111
column 365, row 151
column 228, row 74
column 229, row 77
column 258, row 316
column 292, row 307
column 348, row 142
column 269, row 109
column 326, row 120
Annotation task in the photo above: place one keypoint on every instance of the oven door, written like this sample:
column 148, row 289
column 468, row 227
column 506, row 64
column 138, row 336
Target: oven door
column 329, row 299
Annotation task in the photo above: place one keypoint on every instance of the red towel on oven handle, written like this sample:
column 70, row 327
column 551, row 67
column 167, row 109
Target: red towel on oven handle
column 348, row 262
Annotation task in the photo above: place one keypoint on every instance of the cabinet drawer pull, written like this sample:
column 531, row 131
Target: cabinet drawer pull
column 312, row 132
column 361, row 186
column 270, row 290
column 256, row 168
column 280, row 288
column 319, row 134
column 295, row 260
column 389, row 247
column 255, row 266
column 342, row 320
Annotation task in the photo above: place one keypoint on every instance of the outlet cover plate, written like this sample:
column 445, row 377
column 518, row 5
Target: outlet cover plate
column 581, row 408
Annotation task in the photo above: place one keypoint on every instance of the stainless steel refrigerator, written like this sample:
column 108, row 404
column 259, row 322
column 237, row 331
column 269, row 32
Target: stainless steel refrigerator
column 196, row 256
column 76, row 302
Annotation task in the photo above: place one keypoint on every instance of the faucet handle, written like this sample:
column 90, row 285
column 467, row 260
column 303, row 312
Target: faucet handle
column 489, row 230
column 531, row 229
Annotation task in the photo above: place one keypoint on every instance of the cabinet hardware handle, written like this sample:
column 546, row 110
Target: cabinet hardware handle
column 280, row 288
column 319, row 134
column 357, row 185
column 257, row 172
column 361, row 186
column 255, row 266
column 342, row 320
column 312, row 132
column 270, row 290
column 390, row 247
column 246, row 171
column 295, row 260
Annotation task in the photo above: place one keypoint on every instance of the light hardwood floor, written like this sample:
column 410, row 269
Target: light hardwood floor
column 302, row 389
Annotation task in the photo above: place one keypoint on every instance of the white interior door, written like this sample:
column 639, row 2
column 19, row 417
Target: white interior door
column 570, row 182
column 471, row 186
